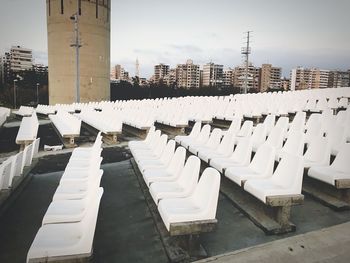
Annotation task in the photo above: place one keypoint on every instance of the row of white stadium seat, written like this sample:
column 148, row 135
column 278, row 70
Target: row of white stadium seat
column 28, row 129
column 69, row 223
column 66, row 123
column 173, row 184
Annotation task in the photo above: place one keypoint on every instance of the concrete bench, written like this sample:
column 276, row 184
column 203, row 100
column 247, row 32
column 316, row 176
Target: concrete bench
column 67, row 127
column 331, row 184
column 28, row 130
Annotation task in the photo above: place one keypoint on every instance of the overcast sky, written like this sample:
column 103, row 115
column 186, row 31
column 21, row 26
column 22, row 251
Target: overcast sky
column 310, row 33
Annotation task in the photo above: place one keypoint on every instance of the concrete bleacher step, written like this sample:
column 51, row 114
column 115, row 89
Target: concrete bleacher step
column 253, row 208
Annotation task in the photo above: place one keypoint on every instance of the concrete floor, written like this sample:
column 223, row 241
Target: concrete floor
column 125, row 231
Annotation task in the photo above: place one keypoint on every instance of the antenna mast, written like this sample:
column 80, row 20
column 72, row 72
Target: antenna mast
column 245, row 51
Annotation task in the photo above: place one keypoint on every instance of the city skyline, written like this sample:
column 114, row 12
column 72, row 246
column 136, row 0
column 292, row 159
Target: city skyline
column 284, row 34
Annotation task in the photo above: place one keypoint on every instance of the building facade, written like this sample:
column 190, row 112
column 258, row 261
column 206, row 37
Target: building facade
column 269, row 77
column 227, row 77
column 160, row 71
column 94, row 33
column 239, row 77
column 212, row 75
column 187, row 75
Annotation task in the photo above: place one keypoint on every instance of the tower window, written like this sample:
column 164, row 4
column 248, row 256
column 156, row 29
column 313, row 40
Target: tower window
column 96, row 8
column 79, row 4
column 61, row 6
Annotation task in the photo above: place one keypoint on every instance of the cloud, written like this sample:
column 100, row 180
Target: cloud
column 40, row 57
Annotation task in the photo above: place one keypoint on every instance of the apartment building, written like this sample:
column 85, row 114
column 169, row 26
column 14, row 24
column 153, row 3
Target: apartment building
column 212, row 75
column 228, row 77
column 187, row 75
column 160, row 71
column 269, row 77
column 239, row 77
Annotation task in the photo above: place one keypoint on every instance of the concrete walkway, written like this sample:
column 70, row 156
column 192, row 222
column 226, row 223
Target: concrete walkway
column 326, row 245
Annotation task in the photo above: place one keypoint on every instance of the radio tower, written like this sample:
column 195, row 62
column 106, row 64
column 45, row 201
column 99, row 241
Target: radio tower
column 245, row 51
column 137, row 72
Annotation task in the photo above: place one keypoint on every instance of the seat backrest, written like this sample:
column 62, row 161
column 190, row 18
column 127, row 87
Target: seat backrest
column 263, row 159
column 36, row 147
column 177, row 162
column 289, row 173
column 270, row 122
column 18, row 164
column 29, row 155
column 341, row 161
column 314, row 117
column 88, row 223
column 282, row 123
column 189, row 174
column 298, row 122
column 168, row 152
column 5, row 174
column 206, row 193
column 227, row 144
column 246, row 129
column 295, row 143
column 203, row 135
column 196, row 129
column 336, row 136
column 243, row 151
column 275, row 138
column 214, row 138
column 235, row 125
column 318, row 150
column 259, row 134
column 160, row 145
column 155, row 138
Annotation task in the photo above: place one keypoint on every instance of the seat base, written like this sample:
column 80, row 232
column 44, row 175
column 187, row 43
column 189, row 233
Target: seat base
column 81, row 258
column 272, row 217
column 171, row 130
column 336, row 197
column 138, row 132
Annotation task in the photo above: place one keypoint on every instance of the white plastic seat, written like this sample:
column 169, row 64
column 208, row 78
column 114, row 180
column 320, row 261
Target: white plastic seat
column 298, row 123
column 240, row 157
column 283, row 124
column 313, row 131
column 193, row 134
column 144, row 143
column 246, row 130
column 150, row 146
column 294, row 145
column 68, row 240
column 318, row 153
column 163, row 160
column 336, row 137
column 315, row 117
column 183, row 186
column 200, row 205
column 202, row 137
column 269, row 122
column 259, row 136
column 275, row 138
column 234, row 127
column 78, row 188
column 211, row 144
column 339, row 169
column 69, row 211
column 152, row 154
column 225, row 149
column 170, row 173
column 286, row 180
column 260, row 167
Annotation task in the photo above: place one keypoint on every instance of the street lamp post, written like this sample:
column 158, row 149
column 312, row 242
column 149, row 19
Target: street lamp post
column 37, row 93
column 14, row 93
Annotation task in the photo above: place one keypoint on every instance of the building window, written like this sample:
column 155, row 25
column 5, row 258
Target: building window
column 61, row 6
column 79, row 4
column 96, row 8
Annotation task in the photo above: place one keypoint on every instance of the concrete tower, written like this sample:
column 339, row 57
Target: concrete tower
column 94, row 37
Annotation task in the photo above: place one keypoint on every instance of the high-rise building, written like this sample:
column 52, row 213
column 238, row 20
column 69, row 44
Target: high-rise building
column 338, row 78
column 94, row 38
column 118, row 72
column 228, row 77
column 160, row 71
column 187, row 75
column 270, row 77
column 212, row 75
column 304, row 78
column 17, row 60
column 170, row 78
column 239, row 76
